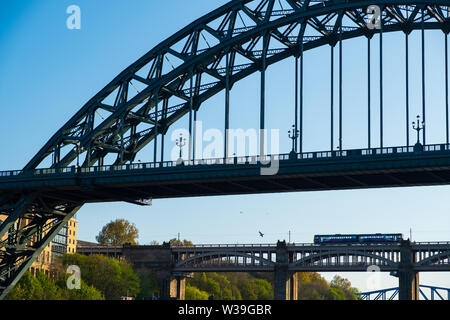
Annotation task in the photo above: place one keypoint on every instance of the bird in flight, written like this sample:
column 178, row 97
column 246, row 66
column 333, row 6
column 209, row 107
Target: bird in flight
column 261, row 234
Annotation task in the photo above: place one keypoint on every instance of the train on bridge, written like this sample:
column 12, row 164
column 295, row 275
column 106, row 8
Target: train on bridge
column 358, row 238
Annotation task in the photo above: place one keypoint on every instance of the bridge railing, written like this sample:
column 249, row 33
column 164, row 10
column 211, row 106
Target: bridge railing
column 258, row 245
column 297, row 245
column 244, row 160
column 223, row 246
column 431, row 242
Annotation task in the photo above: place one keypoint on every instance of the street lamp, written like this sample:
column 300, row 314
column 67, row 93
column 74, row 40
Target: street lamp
column 181, row 142
column 293, row 135
column 418, row 128
column 77, row 150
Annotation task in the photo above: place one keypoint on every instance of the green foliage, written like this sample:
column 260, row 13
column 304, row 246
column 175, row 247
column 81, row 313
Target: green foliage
column 117, row 233
column 149, row 286
column 49, row 290
column 86, row 292
column 312, row 286
column 345, row 286
column 193, row 293
column 259, row 286
column 176, row 242
column 101, row 278
column 28, row 288
column 257, row 289
column 336, row 294
column 232, row 286
column 42, row 287
column 111, row 277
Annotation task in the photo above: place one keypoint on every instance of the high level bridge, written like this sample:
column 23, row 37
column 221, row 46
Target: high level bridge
column 405, row 259
column 92, row 158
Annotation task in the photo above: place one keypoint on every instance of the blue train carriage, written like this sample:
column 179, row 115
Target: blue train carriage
column 378, row 237
column 335, row 238
column 355, row 238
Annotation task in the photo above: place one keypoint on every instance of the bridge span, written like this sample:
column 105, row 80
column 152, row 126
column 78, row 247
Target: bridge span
column 308, row 171
column 405, row 259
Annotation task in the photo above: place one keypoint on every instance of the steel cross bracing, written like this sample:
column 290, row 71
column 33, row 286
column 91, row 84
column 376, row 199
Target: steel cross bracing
column 125, row 116
column 426, row 293
column 172, row 80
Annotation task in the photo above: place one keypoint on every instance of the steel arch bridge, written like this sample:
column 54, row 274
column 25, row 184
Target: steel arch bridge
column 403, row 260
column 300, row 257
column 426, row 256
column 426, row 293
column 173, row 80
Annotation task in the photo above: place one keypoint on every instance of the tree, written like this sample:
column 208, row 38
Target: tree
column 336, row 294
column 193, row 293
column 259, row 286
column 312, row 286
column 49, row 290
column 257, row 289
column 112, row 278
column 149, row 286
column 176, row 242
column 345, row 286
column 86, row 292
column 117, row 233
column 28, row 288
column 41, row 287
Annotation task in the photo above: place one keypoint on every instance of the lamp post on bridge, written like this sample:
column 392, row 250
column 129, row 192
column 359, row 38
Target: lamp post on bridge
column 416, row 126
column 77, row 150
column 181, row 142
column 293, row 135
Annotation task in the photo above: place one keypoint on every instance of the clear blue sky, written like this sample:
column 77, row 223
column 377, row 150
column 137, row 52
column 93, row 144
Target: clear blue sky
column 48, row 72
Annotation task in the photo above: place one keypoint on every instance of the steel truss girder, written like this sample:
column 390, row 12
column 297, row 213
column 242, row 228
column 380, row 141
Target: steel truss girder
column 165, row 81
column 25, row 233
column 391, row 293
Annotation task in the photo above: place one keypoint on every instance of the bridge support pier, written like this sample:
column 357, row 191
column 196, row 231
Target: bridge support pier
column 285, row 284
column 172, row 286
column 293, row 286
column 156, row 261
column 178, row 287
column 408, row 279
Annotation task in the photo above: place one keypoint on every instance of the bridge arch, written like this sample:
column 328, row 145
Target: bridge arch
column 434, row 259
column 310, row 259
column 259, row 260
column 161, row 80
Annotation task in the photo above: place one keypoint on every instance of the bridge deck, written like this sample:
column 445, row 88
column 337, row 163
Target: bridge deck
column 350, row 169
